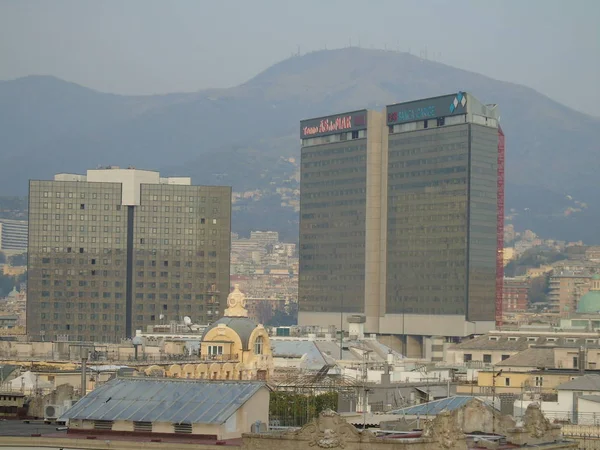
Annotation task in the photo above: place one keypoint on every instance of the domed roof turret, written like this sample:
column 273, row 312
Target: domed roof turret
column 236, row 318
column 590, row 302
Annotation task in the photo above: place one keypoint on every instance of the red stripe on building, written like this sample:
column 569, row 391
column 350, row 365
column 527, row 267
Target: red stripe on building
column 500, row 229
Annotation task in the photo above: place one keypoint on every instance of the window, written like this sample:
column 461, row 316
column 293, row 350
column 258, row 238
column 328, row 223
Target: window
column 487, row 359
column 467, row 357
column 258, row 346
column 539, row 381
column 215, row 349
column 505, row 357
column 507, row 381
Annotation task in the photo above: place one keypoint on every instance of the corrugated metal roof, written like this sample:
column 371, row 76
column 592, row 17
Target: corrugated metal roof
column 333, row 349
column 297, row 349
column 173, row 401
column 437, row 406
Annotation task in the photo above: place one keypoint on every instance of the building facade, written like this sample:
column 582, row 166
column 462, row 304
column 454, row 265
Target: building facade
column 515, row 294
column 13, row 235
column 566, row 288
column 402, row 218
column 120, row 249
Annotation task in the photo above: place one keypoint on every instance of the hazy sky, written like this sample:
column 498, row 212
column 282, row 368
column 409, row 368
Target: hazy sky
column 158, row 46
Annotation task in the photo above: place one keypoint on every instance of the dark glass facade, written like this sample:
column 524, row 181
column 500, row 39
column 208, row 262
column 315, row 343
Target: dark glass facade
column 99, row 270
column 428, row 172
column 332, row 225
column 181, row 244
column 441, row 227
column 406, row 223
column 483, row 208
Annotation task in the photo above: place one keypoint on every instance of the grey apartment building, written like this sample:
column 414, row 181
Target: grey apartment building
column 13, row 236
column 117, row 250
column 401, row 218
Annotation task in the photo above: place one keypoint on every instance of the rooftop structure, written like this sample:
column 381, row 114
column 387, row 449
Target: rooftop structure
column 437, row 406
column 224, row 409
column 590, row 303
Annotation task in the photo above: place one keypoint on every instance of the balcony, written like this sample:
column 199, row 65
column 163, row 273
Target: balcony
column 225, row 357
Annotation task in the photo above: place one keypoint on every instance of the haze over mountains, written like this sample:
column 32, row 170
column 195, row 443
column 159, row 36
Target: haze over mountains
column 244, row 136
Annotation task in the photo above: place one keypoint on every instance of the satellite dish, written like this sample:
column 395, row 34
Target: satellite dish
column 161, row 317
column 187, row 320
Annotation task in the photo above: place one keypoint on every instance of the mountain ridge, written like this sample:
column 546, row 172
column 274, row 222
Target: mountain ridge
column 244, row 135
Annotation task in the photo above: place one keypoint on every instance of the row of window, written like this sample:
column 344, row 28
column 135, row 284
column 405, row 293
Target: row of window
column 83, row 306
column 338, row 137
column 93, row 195
column 82, row 217
column 179, row 198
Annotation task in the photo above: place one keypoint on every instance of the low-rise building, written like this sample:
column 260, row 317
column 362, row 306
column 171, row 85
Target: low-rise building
column 161, row 407
column 11, row 403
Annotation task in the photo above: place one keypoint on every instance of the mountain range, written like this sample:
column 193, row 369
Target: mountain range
column 247, row 136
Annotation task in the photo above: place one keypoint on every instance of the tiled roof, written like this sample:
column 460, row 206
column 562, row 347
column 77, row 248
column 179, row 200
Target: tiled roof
column 539, row 357
column 519, row 342
column 583, row 383
column 162, row 400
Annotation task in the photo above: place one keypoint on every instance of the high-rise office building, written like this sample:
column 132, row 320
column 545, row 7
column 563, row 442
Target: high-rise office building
column 120, row 249
column 13, row 235
column 401, row 218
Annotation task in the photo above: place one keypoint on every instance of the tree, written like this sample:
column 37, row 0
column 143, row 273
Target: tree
column 6, row 284
column 296, row 409
column 18, row 260
column 264, row 312
column 285, row 318
column 538, row 289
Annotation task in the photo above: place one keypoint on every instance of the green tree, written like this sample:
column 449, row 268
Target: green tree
column 538, row 289
column 296, row 409
column 6, row 284
column 18, row 260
